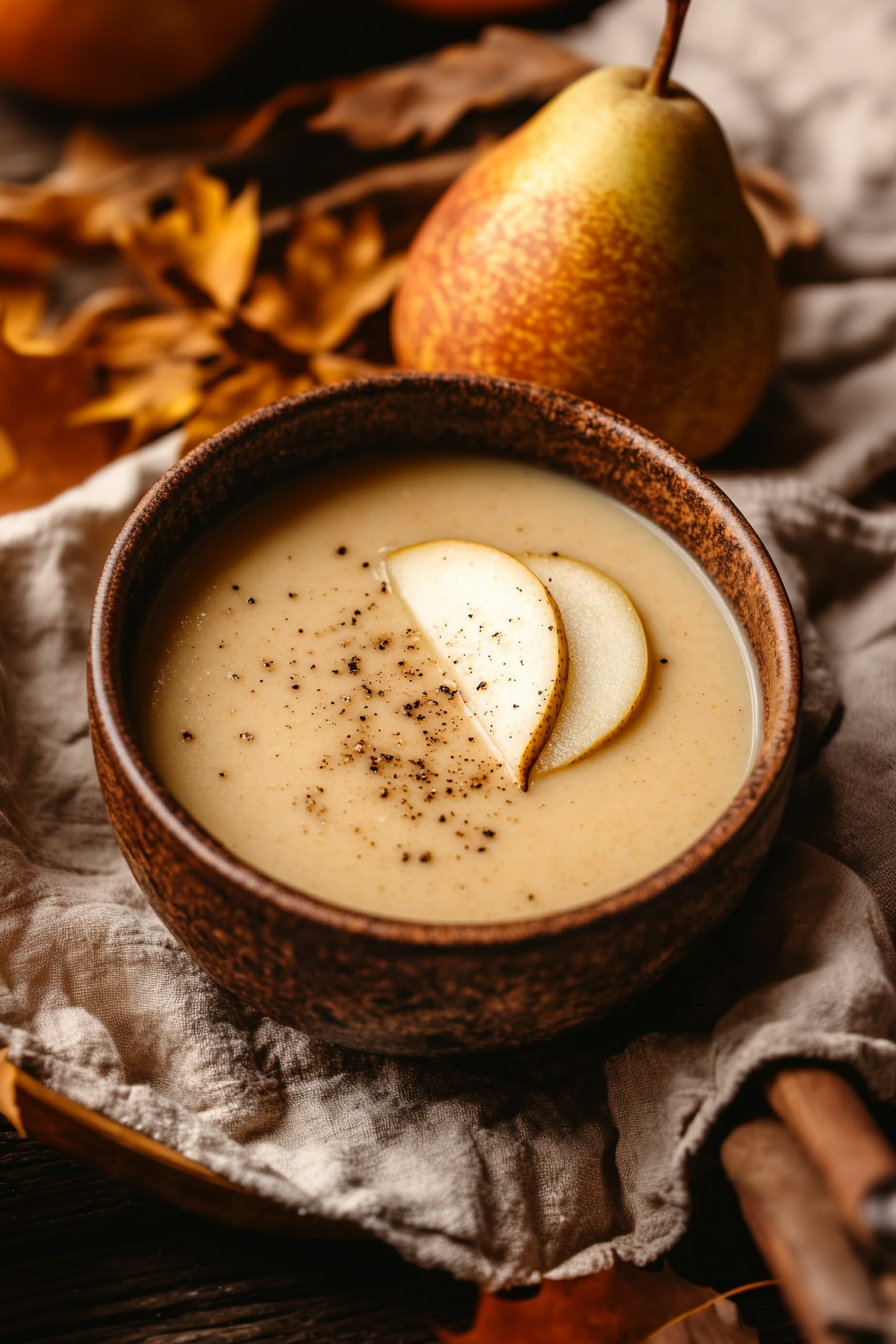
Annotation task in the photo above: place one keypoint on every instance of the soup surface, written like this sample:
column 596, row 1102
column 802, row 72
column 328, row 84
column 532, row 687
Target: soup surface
column 285, row 701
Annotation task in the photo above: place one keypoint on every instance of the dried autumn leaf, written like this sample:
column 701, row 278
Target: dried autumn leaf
column 23, row 314
column 205, row 240
column 428, row 97
column 186, row 333
column 9, row 460
column 56, row 207
column 776, row 209
column 36, row 397
column 623, row 1305
column 428, row 176
column 89, row 157
column 23, row 254
column 336, row 368
column 250, row 132
column 252, row 387
column 335, row 275
column 150, row 402
column 23, row 302
column 96, row 189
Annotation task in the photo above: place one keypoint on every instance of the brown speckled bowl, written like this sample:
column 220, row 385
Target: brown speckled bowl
column 390, row 985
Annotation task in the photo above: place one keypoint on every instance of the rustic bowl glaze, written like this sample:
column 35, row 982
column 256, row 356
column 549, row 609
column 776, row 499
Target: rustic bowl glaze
column 395, row 986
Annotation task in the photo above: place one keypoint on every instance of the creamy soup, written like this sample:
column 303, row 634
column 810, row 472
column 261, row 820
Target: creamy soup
column 287, row 703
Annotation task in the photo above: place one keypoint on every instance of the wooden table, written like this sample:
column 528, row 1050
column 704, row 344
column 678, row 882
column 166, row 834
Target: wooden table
column 83, row 1258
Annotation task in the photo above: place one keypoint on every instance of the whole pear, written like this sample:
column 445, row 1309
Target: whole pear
column 605, row 249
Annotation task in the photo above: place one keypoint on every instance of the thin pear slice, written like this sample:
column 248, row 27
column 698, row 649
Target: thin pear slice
column 608, row 658
column 496, row 633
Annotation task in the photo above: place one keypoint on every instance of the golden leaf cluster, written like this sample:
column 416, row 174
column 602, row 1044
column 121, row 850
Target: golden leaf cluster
column 219, row 308
column 200, row 337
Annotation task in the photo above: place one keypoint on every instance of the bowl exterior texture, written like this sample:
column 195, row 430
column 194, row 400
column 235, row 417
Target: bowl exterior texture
column 391, row 986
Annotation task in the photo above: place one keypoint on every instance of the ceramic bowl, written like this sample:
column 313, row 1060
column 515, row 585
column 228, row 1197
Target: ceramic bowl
column 396, row 986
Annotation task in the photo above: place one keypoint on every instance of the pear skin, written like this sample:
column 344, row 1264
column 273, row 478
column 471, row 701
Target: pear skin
column 604, row 249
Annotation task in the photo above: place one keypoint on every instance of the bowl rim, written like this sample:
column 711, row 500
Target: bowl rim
column 110, row 704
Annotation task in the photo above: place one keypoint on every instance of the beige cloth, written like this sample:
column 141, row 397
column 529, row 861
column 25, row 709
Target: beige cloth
column 506, row 1169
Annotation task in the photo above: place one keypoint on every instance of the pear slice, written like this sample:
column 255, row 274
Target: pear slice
column 496, row 633
column 608, row 658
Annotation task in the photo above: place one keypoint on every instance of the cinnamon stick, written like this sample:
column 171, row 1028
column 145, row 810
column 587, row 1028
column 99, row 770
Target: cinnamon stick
column 795, row 1223
column 831, row 1122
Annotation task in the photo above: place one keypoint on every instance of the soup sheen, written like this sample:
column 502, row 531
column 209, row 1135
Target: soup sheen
column 285, row 702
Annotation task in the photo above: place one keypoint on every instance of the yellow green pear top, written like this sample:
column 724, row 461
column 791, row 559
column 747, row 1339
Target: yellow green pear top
column 605, row 249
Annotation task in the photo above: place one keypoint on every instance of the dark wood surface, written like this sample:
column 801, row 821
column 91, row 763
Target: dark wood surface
column 84, row 1260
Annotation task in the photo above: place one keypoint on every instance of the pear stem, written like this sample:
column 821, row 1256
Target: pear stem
column 658, row 79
